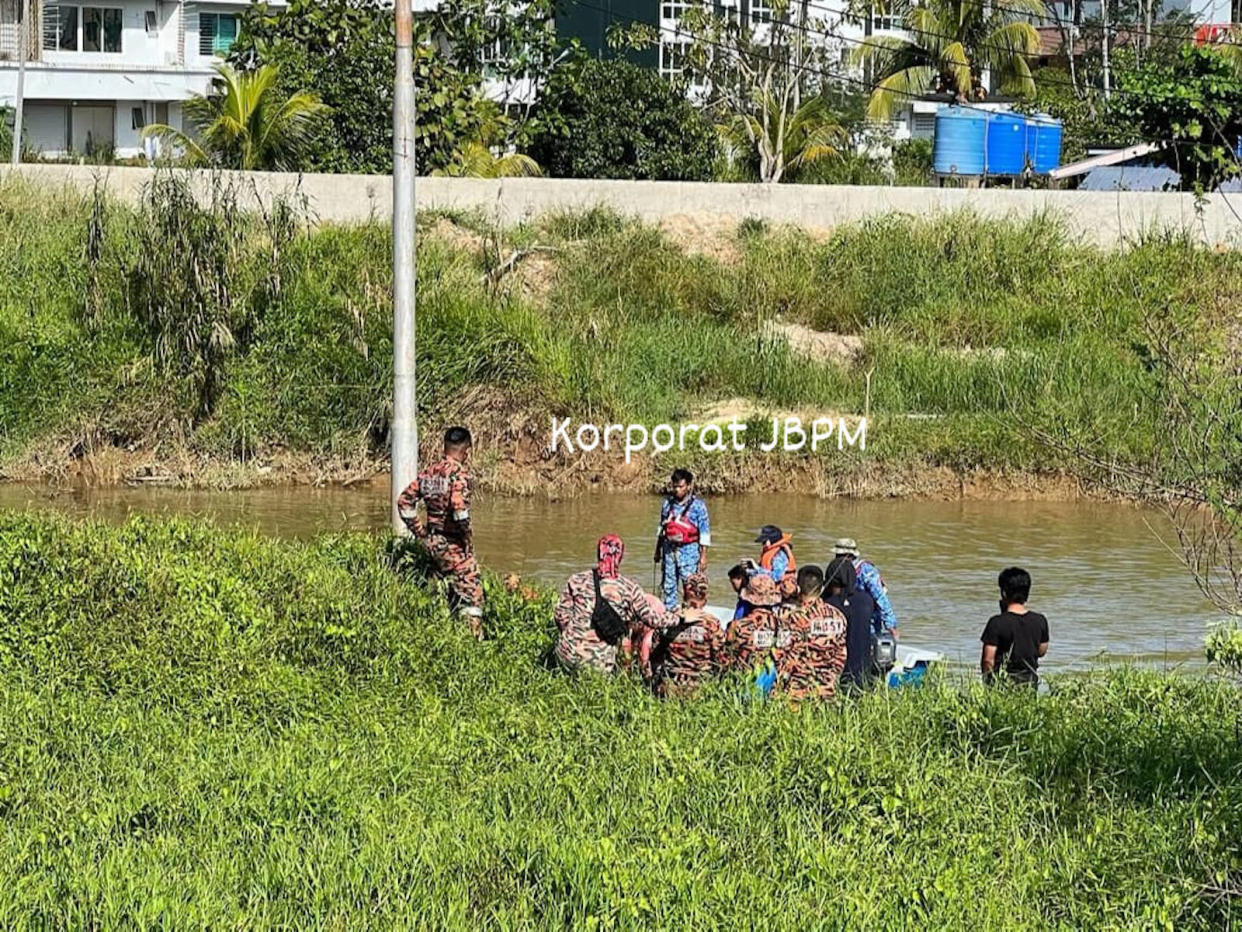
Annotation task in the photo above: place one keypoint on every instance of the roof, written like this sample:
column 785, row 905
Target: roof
column 1082, row 166
column 1130, row 178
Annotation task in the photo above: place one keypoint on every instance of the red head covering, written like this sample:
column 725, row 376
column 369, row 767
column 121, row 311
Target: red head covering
column 610, row 550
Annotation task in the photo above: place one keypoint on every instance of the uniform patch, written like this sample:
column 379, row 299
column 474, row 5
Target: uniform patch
column 762, row 639
column 693, row 634
column 822, row 628
column 433, row 485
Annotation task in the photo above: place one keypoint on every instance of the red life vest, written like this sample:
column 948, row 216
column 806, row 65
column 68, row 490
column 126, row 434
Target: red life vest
column 679, row 529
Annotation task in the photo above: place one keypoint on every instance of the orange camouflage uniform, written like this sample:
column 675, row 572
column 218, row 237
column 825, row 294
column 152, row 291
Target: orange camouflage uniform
column 754, row 639
column 444, row 490
column 815, row 654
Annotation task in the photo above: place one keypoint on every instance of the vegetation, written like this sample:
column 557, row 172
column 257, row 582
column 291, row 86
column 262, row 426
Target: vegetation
column 343, row 50
column 245, row 123
column 297, row 732
column 590, row 125
column 787, row 143
column 952, row 43
column 978, row 328
column 478, row 160
column 1192, row 107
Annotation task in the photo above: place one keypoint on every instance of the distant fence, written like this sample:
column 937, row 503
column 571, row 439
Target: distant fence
column 1103, row 218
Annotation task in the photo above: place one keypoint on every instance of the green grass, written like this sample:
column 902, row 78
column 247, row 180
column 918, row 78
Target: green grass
column 631, row 328
column 207, row 729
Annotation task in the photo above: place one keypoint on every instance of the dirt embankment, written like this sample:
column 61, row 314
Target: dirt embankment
column 513, row 456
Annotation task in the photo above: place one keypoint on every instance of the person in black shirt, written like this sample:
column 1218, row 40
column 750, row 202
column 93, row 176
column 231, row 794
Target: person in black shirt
column 1016, row 638
column 841, row 591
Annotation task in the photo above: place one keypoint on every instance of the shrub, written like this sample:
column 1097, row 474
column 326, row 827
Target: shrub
column 613, row 119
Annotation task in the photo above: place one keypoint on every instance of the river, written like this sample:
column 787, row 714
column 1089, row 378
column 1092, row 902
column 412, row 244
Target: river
column 1110, row 587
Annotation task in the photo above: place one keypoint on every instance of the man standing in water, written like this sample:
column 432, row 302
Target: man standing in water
column 444, row 490
column 1017, row 637
column 684, row 536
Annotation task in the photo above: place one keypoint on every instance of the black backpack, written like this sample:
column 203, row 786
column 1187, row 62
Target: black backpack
column 605, row 622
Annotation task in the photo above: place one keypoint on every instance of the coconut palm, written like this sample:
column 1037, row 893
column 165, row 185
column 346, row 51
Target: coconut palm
column 477, row 160
column 248, row 124
column 785, row 141
column 951, row 43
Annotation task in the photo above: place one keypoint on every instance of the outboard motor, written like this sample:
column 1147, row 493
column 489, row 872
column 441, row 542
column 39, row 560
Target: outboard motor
column 883, row 652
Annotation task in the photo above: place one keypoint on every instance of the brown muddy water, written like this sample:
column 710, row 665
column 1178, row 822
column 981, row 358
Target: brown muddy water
column 1104, row 576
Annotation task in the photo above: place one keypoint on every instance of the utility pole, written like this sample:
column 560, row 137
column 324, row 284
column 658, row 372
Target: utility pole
column 21, row 81
column 404, row 412
column 1107, row 76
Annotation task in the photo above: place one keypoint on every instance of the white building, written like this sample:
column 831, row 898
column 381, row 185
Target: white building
column 96, row 74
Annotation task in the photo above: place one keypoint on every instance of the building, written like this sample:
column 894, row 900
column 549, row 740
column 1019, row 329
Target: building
column 97, row 74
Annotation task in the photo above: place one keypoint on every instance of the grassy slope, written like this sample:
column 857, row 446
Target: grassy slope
column 200, row 728
column 631, row 328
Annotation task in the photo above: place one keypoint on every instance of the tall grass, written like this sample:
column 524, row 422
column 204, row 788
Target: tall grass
column 961, row 317
column 203, row 728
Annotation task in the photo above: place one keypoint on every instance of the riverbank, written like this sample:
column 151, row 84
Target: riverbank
column 958, row 336
column 294, row 730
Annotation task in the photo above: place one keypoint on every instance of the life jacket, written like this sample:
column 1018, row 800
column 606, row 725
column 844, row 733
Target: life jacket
column 788, row 583
column 679, row 529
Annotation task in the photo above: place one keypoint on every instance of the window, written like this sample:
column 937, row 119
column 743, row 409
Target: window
column 890, row 16
column 672, row 11
column 673, row 58
column 136, row 119
column 149, row 22
column 760, row 11
column 216, row 33
column 81, row 29
column 60, row 28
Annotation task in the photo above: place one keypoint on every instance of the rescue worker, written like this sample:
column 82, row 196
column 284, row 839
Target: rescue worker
column 815, row 630
column 841, row 591
column 777, row 559
column 753, row 643
column 598, row 609
column 444, row 489
column 686, row 657
column 871, row 582
column 684, row 535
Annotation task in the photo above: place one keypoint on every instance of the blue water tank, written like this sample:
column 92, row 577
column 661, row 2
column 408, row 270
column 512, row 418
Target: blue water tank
column 958, row 148
column 1006, row 146
column 1043, row 143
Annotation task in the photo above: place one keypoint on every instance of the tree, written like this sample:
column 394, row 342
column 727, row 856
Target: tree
column 1192, row 108
column 788, row 144
column 951, row 44
column 477, row 160
column 613, row 119
column 248, row 123
column 754, row 73
column 344, row 50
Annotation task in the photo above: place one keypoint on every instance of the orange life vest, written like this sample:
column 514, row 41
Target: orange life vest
column 789, row 580
column 679, row 529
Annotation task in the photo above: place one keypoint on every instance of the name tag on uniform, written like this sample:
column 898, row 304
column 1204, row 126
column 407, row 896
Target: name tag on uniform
column 693, row 634
column 821, row 628
column 784, row 639
column 762, row 640
column 433, row 485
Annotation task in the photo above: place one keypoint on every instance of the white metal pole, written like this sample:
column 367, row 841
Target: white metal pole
column 22, row 26
column 404, row 414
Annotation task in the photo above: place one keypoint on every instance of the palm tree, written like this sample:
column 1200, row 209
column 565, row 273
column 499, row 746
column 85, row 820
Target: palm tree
column 477, row 160
column 250, row 124
column 784, row 141
column 951, row 43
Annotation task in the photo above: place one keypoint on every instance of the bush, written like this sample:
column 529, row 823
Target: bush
column 613, row 119
column 209, row 729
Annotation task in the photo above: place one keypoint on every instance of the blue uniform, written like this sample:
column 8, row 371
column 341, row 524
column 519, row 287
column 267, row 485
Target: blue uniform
column 780, row 563
column 870, row 582
column 682, row 561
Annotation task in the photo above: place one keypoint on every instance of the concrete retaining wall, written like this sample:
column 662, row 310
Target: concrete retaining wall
column 1107, row 219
